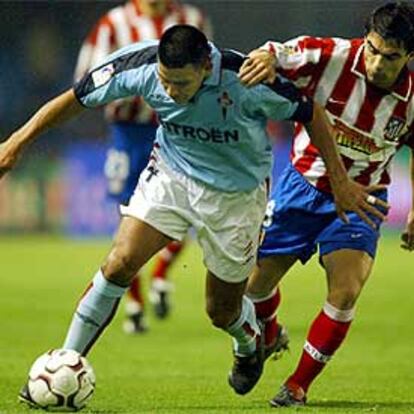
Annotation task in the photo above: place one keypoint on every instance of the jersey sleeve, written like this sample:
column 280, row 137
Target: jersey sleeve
column 280, row 101
column 125, row 73
column 302, row 58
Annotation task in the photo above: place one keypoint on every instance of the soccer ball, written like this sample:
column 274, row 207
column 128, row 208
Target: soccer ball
column 61, row 380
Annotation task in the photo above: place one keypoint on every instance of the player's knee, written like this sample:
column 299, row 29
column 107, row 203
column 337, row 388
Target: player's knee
column 120, row 265
column 220, row 316
column 344, row 298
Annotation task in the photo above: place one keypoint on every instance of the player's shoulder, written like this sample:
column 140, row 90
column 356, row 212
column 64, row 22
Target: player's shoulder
column 144, row 52
column 133, row 56
column 231, row 60
column 317, row 42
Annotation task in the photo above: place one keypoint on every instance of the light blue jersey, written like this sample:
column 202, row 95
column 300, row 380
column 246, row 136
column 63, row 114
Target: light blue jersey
column 219, row 137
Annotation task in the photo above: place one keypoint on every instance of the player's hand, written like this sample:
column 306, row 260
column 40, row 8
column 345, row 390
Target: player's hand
column 260, row 66
column 9, row 154
column 352, row 196
column 407, row 237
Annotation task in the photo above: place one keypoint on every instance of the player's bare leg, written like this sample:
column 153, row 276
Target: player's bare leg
column 161, row 287
column 347, row 271
column 229, row 309
column 262, row 289
column 135, row 243
column 135, row 321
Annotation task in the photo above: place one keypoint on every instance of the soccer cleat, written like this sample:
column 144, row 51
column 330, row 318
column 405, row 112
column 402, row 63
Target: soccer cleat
column 159, row 296
column 247, row 370
column 280, row 345
column 135, row 323
column 289, row 395
column 25, row 397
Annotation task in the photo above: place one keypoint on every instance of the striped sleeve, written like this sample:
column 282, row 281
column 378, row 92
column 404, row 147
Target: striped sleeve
column 124, row 74
column 303, row 58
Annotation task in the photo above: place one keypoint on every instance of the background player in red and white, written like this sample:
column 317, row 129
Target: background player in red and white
column 132, row 125
column 368, row 94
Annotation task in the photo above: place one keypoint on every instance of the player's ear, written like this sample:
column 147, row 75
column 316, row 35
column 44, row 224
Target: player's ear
column 208, row 65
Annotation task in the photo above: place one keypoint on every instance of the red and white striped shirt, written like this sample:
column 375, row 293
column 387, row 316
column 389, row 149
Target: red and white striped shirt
column 122, row 26
column 370, row 124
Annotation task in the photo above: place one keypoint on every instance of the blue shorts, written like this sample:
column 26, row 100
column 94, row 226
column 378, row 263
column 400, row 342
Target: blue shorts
column 128, row 154
column 300, row 218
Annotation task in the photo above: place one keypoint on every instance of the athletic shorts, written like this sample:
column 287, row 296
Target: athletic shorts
column 228, row 225
column 299, row 219
column 127, row 156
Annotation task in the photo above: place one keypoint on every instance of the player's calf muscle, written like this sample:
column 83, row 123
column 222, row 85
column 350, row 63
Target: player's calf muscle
column 220, row 314
column 121, row 266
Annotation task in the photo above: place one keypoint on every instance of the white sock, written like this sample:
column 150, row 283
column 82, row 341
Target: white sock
column 245, row 330
column 94, row 312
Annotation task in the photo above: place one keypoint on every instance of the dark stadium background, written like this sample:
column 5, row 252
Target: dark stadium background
column 39, row 43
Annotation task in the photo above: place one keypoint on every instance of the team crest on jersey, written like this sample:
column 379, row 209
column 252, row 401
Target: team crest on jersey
column 103, row 75
column 394, row 128
column 225, row 102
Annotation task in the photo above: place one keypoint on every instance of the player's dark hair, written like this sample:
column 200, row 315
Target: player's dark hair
column 181, row 45
column 394, row 21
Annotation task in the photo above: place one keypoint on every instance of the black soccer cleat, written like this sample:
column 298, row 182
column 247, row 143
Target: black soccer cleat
column 25, row 397
column 162, row 305
column 247, row 370
column 289, row 396
column 159, row 296
column 135, row 323
column 280, row 345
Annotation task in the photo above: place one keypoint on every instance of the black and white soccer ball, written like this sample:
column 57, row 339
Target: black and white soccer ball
column 61, row 380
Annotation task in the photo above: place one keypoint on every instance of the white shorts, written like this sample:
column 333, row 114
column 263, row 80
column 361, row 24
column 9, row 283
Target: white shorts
column 228, row 225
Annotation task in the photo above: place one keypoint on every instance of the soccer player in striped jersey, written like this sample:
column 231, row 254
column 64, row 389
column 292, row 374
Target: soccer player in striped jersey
column 368, row 95
column 208, row 170
column 132, row 127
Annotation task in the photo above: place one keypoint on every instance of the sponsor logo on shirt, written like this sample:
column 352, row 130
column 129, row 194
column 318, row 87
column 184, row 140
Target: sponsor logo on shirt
column 214, row 135
column 103, row 75
column 349, row 138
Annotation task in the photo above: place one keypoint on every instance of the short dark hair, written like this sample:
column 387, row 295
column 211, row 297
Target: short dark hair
column 393, row 21
column 181, row 45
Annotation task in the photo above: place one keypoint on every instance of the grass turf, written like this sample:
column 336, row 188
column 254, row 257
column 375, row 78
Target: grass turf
column 181, row 365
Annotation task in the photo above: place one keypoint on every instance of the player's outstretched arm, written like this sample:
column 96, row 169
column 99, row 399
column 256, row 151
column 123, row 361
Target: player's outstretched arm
column 407, row 236
column 260, row 66
column 349, row 195
column 53, row 113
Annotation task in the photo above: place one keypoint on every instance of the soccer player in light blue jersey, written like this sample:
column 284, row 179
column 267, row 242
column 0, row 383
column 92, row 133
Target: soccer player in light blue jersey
column 208, row 170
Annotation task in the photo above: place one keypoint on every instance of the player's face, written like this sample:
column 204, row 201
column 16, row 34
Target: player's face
column 154, row 8
column 183, row 83
column 384, row 60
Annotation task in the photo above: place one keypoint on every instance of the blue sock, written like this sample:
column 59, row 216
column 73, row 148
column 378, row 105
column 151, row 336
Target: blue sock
column 245, row 330
column 94, row 312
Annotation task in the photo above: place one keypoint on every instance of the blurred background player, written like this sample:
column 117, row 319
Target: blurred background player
column 368, row 94
column 132, row 125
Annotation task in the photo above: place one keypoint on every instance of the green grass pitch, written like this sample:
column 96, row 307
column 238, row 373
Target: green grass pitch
column 181, row 365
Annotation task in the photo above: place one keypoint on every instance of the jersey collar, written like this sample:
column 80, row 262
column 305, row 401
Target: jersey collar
column 214, row 78
column 402, row 89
